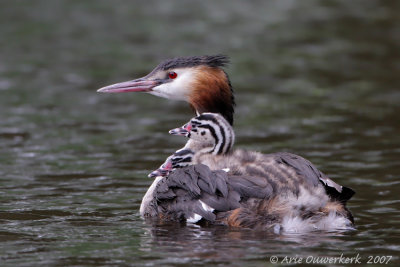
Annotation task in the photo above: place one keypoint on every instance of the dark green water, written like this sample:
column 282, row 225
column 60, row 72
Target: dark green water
column 317, row 78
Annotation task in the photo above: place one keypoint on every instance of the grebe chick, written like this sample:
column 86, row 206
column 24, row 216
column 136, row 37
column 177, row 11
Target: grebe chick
column 218, row 141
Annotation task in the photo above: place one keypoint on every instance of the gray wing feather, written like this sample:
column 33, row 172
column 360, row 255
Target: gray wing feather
column 313, row 176
column 251, row 186
column 179, row 194
column 230, row 202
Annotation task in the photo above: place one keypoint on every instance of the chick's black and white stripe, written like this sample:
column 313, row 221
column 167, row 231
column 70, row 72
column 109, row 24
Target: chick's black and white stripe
column 182, row 158
column 221, row 131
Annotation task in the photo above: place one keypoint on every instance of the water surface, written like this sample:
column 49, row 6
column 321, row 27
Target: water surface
column 316, row 78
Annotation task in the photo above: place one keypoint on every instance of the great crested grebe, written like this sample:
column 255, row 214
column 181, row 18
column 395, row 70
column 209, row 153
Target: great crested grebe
column 265, row 191
column 281, row 183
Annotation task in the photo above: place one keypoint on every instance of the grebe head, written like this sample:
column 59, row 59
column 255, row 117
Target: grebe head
column 198, row 80
column 181, row 158
column 210, row 133
column 211, row 130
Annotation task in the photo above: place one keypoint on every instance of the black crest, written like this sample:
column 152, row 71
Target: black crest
column 214, row 61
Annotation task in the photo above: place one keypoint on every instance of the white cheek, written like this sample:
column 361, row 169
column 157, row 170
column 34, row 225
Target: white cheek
column 170, row 91
column 178, row 89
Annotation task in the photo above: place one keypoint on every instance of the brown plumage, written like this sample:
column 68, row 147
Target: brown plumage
column 212, row 92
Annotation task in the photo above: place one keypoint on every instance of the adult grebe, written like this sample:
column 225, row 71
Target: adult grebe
column 280, row 191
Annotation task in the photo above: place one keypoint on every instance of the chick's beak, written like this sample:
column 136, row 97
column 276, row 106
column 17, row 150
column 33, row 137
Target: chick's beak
column 138, row 85
column 183, row 131
column 179, row 131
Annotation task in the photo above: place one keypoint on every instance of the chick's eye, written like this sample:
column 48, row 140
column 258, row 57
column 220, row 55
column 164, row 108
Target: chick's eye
column 172, row 75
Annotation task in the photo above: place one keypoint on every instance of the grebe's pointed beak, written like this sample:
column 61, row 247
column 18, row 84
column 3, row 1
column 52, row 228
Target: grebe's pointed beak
column 179, row 131
column 183, row 131
column 164, row 169
column 138, row 85
column 158, row 172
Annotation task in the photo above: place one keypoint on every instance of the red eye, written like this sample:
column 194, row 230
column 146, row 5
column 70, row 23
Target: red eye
column 172, row 75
